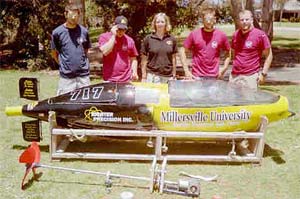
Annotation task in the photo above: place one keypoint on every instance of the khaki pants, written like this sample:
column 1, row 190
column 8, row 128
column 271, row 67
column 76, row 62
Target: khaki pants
column 153, row 78
column 250, row 81
column 66, row 85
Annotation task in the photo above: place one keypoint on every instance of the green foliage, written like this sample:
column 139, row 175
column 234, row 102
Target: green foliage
column 284, row 42
column 94, row 34
column 295, row 19
column 284, row 20
column 141, row 12
column 26, row 25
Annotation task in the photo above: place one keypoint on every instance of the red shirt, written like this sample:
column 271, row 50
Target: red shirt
column 206, row 47
column 248, row 50
column 116, row 64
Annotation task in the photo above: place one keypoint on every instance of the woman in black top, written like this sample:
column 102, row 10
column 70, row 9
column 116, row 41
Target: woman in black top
column 159, row 52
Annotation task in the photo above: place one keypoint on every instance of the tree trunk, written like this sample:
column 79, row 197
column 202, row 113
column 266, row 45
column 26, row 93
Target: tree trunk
column 81, row 5
column 83, row 13
column 236, row 7
column 249, row 6
column 267, row 18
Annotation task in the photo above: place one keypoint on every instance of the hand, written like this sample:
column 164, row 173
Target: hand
column 135, row 76
column 188, row 75
column 220, row 75
column 144, row 80
column 261, row 79
column 172, row 78
column 114, row 29
column 144, row 77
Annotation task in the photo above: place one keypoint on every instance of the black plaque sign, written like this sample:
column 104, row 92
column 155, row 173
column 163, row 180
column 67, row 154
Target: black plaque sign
column 31, row 131
column 28, row 88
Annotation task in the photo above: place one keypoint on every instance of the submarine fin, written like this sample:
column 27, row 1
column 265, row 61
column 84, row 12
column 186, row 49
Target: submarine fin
column 32, row 131
column 29, row 88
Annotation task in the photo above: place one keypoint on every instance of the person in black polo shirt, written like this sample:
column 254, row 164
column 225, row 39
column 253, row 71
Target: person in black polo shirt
column 159, row 52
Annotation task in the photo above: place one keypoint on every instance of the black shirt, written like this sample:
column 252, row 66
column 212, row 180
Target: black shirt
column 159, row 52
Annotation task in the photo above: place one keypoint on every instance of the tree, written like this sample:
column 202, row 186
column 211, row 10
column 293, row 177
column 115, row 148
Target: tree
column 33, row 21
column 267, row 18
column 267, row 15
column 236, row 8
column 29, row 23
column 249, row 6
column 183, row 14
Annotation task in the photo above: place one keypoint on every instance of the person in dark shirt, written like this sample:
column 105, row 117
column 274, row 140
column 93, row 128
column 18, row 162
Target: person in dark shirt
column 159, row 52
column 70, row 43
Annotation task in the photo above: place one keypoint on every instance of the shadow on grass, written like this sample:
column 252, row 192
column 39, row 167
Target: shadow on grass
column 289, row 46
column 115, row 182
column 285, row 38
column 30, row 182
column 43, row 148
column 284, row 42
column 138, row 147
column 275, row 154
column 175, row 147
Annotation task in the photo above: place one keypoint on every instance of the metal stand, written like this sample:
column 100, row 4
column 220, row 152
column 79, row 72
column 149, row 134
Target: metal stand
column 245, row 146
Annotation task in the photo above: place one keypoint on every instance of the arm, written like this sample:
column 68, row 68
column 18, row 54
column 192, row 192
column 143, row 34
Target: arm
column 226, row 64
column 183, row 60
column 134, row 68
column 144, row 66
column 269, row 57
column 54, row 55
column 86, row 50
column 87, row 45
column 108, row 46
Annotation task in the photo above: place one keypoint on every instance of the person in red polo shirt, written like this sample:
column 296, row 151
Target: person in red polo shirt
column 119, row 53
column 248, row 45
column 206, row 44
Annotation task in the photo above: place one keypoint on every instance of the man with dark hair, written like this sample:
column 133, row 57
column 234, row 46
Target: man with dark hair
column 119, row 53
column 249, row 44
column 70, row 43
column 206, row 44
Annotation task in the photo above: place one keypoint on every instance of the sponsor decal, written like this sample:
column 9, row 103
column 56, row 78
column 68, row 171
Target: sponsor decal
column 201, row 117
column 96, row 115
column 32, row 131
column 28, row 88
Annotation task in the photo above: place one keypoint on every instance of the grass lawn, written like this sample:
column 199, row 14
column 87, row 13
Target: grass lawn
column 286, row 24
column 94, row 34
column 277, row 177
